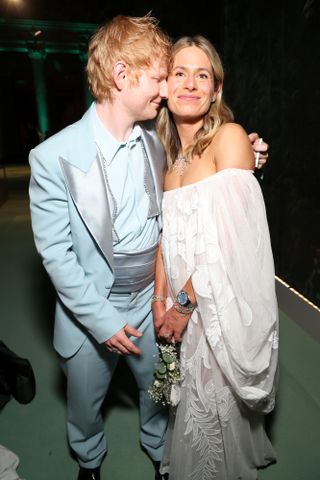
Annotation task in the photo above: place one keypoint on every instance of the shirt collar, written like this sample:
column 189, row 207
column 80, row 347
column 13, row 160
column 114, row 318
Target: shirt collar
column 106, row 142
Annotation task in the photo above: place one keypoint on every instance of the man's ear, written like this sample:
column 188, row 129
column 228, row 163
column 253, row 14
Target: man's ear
column 120, row 74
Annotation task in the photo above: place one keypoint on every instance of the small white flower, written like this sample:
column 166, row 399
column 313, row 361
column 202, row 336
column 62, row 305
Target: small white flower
column 171, row 366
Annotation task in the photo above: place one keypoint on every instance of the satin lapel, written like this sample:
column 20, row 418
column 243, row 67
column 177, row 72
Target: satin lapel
column 88, row 191
column 157, row 160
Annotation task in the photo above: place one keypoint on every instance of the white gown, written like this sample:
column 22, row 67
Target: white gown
column 216, row 231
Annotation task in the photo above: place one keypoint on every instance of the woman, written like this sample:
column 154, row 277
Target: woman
column 216, row 266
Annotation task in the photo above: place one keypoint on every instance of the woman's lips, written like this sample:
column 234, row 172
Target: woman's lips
column 188, row 98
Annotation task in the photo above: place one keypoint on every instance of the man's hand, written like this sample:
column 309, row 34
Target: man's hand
column 259, row 148
column 120, row 343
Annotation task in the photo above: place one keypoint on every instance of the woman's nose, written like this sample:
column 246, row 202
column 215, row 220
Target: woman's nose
column 190, row 82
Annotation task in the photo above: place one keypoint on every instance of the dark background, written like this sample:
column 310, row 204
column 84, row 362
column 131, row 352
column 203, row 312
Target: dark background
column 270, row 51
column 174, row 16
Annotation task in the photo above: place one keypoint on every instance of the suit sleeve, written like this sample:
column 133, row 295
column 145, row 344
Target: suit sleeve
column 49, row 203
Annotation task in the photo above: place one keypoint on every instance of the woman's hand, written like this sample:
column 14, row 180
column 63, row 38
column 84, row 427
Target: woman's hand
column 173, row 325
column 158, row 312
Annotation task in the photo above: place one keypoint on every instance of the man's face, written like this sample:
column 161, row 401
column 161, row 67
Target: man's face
column 143, row 96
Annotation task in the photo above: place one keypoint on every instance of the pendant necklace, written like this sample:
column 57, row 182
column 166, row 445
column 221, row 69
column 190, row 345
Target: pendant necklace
column 180, row 164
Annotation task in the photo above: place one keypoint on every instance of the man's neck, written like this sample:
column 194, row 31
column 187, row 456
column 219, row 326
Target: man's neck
column 115, row 119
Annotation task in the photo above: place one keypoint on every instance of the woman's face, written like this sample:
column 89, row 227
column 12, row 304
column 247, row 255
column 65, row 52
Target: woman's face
column 190, row 85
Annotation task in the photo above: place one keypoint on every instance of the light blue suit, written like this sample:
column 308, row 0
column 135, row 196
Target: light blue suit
column 72, row 229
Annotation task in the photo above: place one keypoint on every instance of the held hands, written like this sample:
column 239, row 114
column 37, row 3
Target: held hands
column 260, row 149
column 121, row 344
column 173, row 325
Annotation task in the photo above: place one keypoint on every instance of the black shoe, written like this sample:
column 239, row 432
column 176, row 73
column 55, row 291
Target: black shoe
column 16, row 376
column 89, row 474
column 158, row 475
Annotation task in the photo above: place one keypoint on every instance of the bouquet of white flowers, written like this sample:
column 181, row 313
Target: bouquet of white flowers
column 167, row 375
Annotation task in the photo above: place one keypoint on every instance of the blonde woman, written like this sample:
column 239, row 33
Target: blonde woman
column 216, row 267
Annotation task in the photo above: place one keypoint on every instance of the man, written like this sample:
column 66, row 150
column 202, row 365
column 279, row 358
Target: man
column 95, row 195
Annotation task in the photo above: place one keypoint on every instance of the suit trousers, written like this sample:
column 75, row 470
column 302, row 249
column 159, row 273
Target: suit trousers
column 89, row 373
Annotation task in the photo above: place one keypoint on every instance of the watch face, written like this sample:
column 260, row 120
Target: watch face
column 183, row 298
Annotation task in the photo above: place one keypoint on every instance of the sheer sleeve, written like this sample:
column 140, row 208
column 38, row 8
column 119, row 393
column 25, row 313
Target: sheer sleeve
column 234, row 283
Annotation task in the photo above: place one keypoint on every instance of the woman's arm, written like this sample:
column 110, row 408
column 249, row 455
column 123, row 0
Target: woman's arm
column 169, row 324
column 175, row 320
column 160, row 292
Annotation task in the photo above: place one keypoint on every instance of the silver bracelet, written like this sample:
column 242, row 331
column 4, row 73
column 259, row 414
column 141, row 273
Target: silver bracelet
column 158, row 298
column 183, row 310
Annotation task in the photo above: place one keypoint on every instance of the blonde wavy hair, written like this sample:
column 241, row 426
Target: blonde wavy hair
column 137, row 41
column 218, row 113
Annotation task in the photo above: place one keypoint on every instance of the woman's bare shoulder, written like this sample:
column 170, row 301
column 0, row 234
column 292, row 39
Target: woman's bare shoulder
column 233, row 148
column 233, row 130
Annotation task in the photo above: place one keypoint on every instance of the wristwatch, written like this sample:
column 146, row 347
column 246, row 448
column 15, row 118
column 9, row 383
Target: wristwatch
column 183, row 303
column 183, row 299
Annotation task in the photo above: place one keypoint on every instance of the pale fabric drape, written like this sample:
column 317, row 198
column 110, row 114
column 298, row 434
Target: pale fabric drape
column 8, row 464
column 216, row 231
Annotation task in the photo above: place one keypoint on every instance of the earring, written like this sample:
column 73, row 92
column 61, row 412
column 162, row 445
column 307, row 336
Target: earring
column 213, row 99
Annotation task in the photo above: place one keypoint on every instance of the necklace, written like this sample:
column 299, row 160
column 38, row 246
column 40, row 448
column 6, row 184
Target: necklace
column 180, row 164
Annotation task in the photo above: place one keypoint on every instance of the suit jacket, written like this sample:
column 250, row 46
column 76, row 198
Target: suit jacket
column 72, row 229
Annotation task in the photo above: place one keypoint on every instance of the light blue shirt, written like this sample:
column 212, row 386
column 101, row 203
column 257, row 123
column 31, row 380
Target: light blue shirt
column 125, row 167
